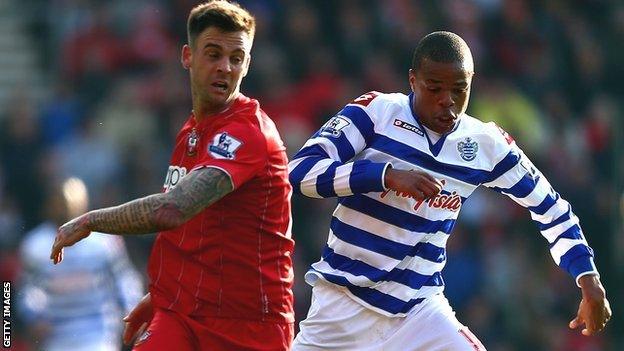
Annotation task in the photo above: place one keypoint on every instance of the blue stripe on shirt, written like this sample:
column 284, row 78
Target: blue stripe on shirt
column 466, row 174
column 343, row 145
column 394, row 216
column 312, row 150
column 503, row 166
column 384, row 301
column 358, row 268
column 574, row 232
column 373, row 297
column 325, row 181
column 296, row 175
column 577, row 260
column 563, row 218
column 522, row 188
column 361, row 120
column 375, row 243
column 548, row 202
column 366, row 177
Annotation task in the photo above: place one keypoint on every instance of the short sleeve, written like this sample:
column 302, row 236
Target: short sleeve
column 237, row 148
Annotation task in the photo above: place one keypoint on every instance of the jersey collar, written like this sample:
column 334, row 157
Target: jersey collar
column 239, row 101
column 436, row 147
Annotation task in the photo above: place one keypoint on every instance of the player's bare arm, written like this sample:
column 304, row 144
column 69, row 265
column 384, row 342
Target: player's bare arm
column 594, row 310
column 198, row 190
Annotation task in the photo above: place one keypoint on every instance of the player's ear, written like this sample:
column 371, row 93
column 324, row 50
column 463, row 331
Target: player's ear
column 186, row 56
column 412, row 79
column 247, row 64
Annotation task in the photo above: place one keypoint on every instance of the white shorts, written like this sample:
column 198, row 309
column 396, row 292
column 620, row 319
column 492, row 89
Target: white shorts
column 337, row 322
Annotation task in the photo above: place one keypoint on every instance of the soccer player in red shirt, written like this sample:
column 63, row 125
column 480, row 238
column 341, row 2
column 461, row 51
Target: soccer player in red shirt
column 220, row 270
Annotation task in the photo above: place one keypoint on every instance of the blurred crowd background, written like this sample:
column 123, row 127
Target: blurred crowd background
column 95, row 90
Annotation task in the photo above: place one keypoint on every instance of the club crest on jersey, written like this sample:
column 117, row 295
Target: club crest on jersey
column 224, row 146
column 334, row 126
column 468, row 149
column 191, row 147
column 408, row 126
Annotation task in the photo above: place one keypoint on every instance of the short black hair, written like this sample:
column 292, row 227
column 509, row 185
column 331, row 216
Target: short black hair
column 440, row 46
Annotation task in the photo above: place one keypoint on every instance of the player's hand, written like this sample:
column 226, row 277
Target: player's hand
column 594, row 311
column 138, row 319
column 67, row 235
column 416, row 184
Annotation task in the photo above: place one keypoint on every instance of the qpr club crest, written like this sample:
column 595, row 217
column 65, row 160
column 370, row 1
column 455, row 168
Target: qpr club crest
column 224, row 146
column 468, row 149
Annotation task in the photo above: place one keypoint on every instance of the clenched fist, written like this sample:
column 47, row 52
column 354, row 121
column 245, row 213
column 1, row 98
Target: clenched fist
column 416, row 184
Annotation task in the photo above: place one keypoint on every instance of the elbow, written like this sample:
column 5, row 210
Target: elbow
column 296, row 188
column 295, row 181
column 295, row 185
column 168, row 217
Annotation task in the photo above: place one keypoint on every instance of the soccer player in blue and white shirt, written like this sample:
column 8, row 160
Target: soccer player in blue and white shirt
column 77, row 306
column 401, row 167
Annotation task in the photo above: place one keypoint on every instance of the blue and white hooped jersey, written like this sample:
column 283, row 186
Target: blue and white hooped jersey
column 82, row 300
column 388, row 249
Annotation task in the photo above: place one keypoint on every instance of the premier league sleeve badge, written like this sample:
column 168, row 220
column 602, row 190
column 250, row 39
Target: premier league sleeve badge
column 224, row 146
column 334, row 126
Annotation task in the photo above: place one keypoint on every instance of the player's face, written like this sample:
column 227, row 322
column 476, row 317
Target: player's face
column 217, row 63
column 441, row 92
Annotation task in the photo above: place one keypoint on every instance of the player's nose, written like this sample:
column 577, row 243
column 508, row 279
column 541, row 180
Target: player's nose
column 224, row 65
column 446, row 99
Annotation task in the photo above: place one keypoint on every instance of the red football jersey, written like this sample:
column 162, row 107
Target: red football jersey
column 232, row 260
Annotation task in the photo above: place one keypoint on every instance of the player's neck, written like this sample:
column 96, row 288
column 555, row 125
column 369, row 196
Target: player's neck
column 203, row 110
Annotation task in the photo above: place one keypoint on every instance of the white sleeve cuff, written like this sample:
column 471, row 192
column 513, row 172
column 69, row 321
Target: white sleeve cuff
column 594, row 272
column 383, row 175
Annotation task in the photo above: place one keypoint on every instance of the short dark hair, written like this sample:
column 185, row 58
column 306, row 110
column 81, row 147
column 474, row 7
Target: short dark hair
column 440, row 46
column 225, row 15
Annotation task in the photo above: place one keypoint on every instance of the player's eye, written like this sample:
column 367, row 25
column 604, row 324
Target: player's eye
column 434, row 89
column 237, row 60
column 212, row 54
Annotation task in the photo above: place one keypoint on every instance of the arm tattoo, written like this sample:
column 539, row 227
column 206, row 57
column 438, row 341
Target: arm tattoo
column 196, row 191
column 200, row 189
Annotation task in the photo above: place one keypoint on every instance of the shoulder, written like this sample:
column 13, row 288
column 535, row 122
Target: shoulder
column 491, row 138
column 261, row 125
column 250, row 117
column 376, row 104
column 246, row 129
column 245, row 119
column 487, row 130
column 375, row 99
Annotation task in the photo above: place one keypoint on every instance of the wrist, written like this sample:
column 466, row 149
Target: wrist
column 591, row 286
column 389, row 178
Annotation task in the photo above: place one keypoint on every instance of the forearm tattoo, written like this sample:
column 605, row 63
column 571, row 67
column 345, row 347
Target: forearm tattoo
column 196, row 191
